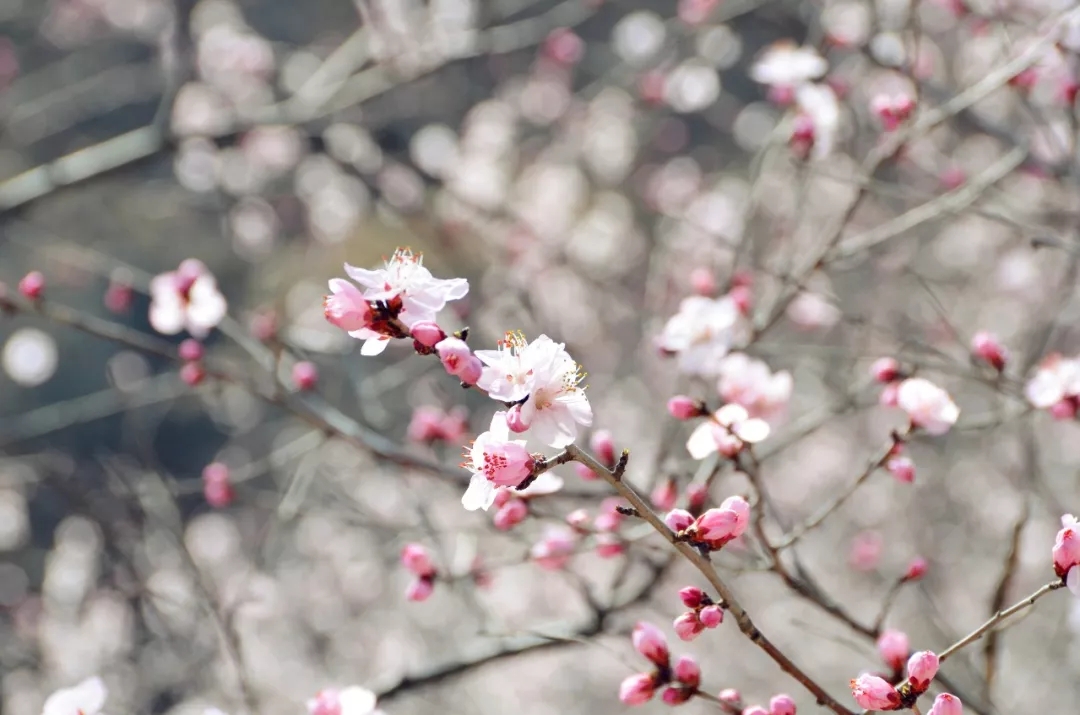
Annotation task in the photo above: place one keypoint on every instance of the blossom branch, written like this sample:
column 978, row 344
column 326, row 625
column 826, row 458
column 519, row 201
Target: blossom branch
column 999, row 617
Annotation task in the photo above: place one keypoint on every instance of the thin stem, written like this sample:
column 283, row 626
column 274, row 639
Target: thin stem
column 998, row 618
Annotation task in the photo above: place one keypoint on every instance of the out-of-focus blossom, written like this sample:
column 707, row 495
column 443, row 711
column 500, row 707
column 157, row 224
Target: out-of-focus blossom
column 811, row 310
column 682, row 407
column 637, row 689
column 352, row 700
column 928, row 406
column 543, row 377
column 495, row 461
column 946, row 704
column 874, row 693
column 988, row 348
column 431, row 424
column 781, row 705
column 702, row 332
column 217, row 484
column 602, row 443
column 892, row 110
column 417, row 560
column 651, row 643
column 664, row 495
column 553, row 551
column 86, row 698
column 916, row 569
column 728, row 430
column 885, row 370
column 902, row 469
column 750, row 383
column 1056, row 382
column 819, row 102
column 784, row 64
column 865, row 551
column 893, row 647
column 186, row 299
column 32, row 285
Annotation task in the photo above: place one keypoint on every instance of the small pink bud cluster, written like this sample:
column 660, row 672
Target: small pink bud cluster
column 1066, row 553
column 703, row 613
column 431, row 424
column 217, row 488
column 892, row 111
column 417, row 561
column 192, row 371
column 683, row 679
column 986, row 347
column 716, row 527
column 458, row 360
column 875, row 693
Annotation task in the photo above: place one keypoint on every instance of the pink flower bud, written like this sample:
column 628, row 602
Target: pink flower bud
column 952, row 177
column 190, row 350
column 731, row 697
column 345, row 307
column 891, row 111
column 711, row 616
column 885, row 370
column 946, row 704
column 305, row 375
column 1064, row 409
column 664, row 495
column 688, row 626
column 890, row 395
column 32, row 285
column 603, row 445
column 515, row 421
column 417, row 560
column 1066, row 551
column 693, row 597
column 916, row 569
column 922, row 667
column 718, row 526
column 986, row 346
column 803, row 135
column 425, row 425
column 696, row 496
column 609, row 546
column 453, row 353
column 502, row 496
column 471, row 370
column 263, row 325
column 585, row 473
column 510, row 514
column 325, row 702
column 678, row 520
column 677, row 696
column 420, row 590
column 902, row 468
column 893, row 647
column 119, row 297
column 874, row 693
column 703, row 281
column 579, row 519
column 215, row 472
column 218, row 494
column 563, row 47
column 427, row 333
column 650, row 642
column 781, row 705
column 682, row 407
column 687, row 671
column 607, row 521
column 192, row 373
column 743, row 298
column 755, row 710
column 637, row 689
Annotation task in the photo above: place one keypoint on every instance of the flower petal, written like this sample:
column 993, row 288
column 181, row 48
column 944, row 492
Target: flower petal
column 701, row 443
column 479, row 495
column 374, row 346
column 1072, row 580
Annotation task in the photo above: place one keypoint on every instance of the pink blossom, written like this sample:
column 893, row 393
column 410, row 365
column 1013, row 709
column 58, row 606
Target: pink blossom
column 891, row 111
column 679, row 520
column 217, row 489
column 544, row 375
column 755, row 710
column 893, row 647
column 192, row 373
column 802, row 136
column 922, row 667
column 555, row 548
column 711, row 616
column 1056, row 380
column 928, row 406
column 408, row 289
column 781, row 705
column 916, row 569
column 696, row 496
column 305, row 375
column 731, row 697
column 637, row 689
column 874, row 693
column 352, row 700
column 603, row 445
column 1066, row 409
column 650, row 642
column 885, row 370
column 609, row 546
column 347, row 308
column 693, row 597
column 86, row 698
column 682, row 407
column 190, row 350
column 702, row 332
column 578, row 519
column 946, row 704
column 865, row 551
column 510, row 514
column 427, row 425
column 1066, row 550
column 784, row 64
column 420, row 589
column 186, row 299
column 427, row 333
column 727, row 432
column 703, row 281
column 750, row 383
column 987, row 347
column 687, row 671
column 889, row 396
column 902, row 468
column 688, row 626
column 495, row 461
column 417, row 560
column 718, row 526
column 664, row 495
column 454, row 353
column 32, row 285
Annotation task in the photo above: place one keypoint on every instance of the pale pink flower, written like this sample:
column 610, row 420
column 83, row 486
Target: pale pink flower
column 819, row 102
column 495, row 461
column 711, row 616
column 637, row 689
column 651, row 643
column 781, row 705
column 702, row 332
column 679, row 520
column 1056, row 379
column 186, row 299
column 922, row 667
column 352, row 700
column 811, row 310
column 727, row 432
column 609, row 546
column 717, row 527
column 902, row 468
column 731, row 697
column 755, row 710
column 946, row 704
column 417, row 560
column 347, row 308
column 1066, row 550
column 682, row 407
column 687, row 671
column 885, row 370
column 893, row 647
column 928, row 406
column 510, row 514
column 408, row 290
column 874, row 693
column 750, row 383
column 544, row 375
column 602, row 443
column 784, row 64
column 555, row 548
column 86, row 698
column 688, row 626
column 987, row 347
column 893, row 110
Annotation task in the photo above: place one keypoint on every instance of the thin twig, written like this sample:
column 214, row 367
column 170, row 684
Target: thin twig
column 999, row 617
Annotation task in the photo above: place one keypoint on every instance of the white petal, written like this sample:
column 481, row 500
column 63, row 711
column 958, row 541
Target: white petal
column 701, row 443
column 376, row 279
column 1072, row 580
column 479, row 495
column 167, row 316
column 88, row 697
column 578, row 406
column 1044, row 390
column 374, row 346
column 554, row 426
column 753, row 430
column 731, row 413
column 356, row 701
column 499, row 431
